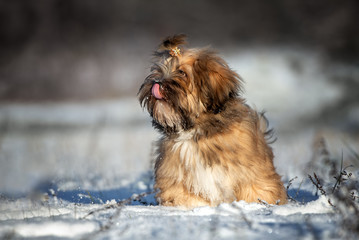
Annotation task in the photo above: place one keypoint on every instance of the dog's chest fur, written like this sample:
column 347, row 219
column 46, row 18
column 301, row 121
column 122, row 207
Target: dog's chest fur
column 209, row 182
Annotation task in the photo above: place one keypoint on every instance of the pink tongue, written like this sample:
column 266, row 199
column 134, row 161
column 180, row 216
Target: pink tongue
column 156, row 91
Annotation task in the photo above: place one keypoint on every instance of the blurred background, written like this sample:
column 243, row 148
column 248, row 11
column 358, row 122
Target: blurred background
column 72, row 49
column 70, row 71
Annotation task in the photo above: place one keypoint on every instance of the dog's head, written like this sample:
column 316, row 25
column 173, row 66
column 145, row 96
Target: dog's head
column 185, row 84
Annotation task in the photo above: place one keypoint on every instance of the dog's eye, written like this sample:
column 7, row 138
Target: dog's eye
column 181, row 72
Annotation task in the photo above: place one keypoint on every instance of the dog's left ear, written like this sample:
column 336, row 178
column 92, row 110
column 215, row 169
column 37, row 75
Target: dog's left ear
column 216, row 81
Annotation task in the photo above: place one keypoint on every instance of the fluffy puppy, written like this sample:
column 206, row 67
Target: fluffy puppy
column 213, row 147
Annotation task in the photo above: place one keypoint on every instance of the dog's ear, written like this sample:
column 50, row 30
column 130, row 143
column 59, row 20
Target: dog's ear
column 216, row 81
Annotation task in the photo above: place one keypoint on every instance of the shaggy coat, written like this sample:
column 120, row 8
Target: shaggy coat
column 213, row 147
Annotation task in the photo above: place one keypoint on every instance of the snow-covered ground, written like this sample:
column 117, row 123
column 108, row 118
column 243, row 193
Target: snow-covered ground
column 57, row 218
column 83, row 170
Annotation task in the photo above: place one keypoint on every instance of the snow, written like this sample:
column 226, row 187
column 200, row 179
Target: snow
column 82, row 170
column 227, row 221
column 56, row 229
column 319, row 206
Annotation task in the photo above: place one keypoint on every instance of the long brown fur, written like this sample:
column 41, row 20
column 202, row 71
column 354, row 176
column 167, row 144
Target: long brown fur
column 213, row 147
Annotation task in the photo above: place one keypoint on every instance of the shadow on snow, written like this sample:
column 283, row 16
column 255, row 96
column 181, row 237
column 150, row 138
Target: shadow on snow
column 131, row 194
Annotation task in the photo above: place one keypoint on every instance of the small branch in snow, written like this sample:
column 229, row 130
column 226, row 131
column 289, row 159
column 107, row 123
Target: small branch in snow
column 120, row 204
column 342, row 176
column 316, row 182
column 263, row 202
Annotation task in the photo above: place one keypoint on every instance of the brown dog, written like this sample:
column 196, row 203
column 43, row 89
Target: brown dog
column 214, row 147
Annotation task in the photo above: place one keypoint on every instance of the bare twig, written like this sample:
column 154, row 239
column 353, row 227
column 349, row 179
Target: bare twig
column 341, row 176
column 319, row 186
column 317, row 183
column 290, row 182
column 120, row 203
column 297, row 192
column 263, row 202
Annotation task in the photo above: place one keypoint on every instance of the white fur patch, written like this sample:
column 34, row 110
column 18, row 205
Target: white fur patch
column 211, row 183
